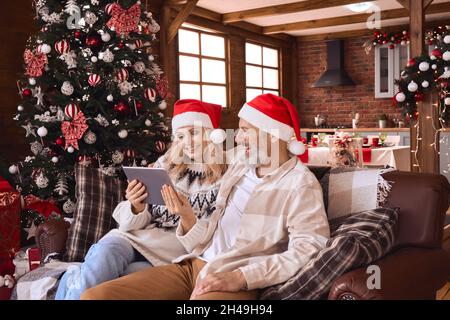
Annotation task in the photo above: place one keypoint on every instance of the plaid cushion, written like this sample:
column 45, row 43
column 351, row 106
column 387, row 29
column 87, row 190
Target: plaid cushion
column 97, row 196
column 356, row 240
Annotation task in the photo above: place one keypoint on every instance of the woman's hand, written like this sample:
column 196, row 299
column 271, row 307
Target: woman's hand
column 136, row 194
column 180, row 206
column 221, row 281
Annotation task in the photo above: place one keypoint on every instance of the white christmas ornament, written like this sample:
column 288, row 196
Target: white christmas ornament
column 13, row 169
column 123, row 134
column 139, row 67
column 151, row 58
column 148, row 123
column 42, row 131
column 412, row 86
column 94, row 59
column 110, row 98
column 70, row 149
column 447, row 39
column 425, row 84
column 433, row 66
column 67, row 88
column 90, row 17
column 446, row 56
column 447, row 101
column 117, row 157
column 45, row 48
column 106, row 37
column 162, row 105
column 32, row 81
column 69, row 206
column 424, row 66
column 106, row 56
column 55, row 159
column 90, row 137
column 20, row 108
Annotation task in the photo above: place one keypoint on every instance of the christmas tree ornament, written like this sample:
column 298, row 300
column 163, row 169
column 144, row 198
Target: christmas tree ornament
column 447, row 101
column 106, row 37
column 29, row 128
column 74, row 130
column 144, row 163
column 27, row 93
column 425, row 84
column 436, row 53
column 122, row 134
column 77, row 34
column 94, row 59
column 93, row 40
column 151, row 58
column 130, row 153
column 90, row 18
column 124, row 21
column 71, row 110
column 424, row 66
column 59, row 142
column 433, row 66
column 109, row 8
column 138, row 105
column 107, row 56
column 41, row 181
column 125, row 87
column 62, row 46
column 122, row 75
column 121, row 45
column 55, row 159
column 36, row 147
column 138, row 43
column 162, row 105
column 90, row 137
column 70, row 149
column 13, row 169
column 139, row 67
column 20, row 108
column 150, row 94
column 418, row 96
column 94, row 80
column 411, row 62
column 69, row 206
column 148, row 123
column 117, row 157
column 412, row 86
column 61, row 186
column 160, row 146
column 446, row 56
column 122, row 108
column 67, row 88
column 42, row 132
column 32, row 81
column 110, row 98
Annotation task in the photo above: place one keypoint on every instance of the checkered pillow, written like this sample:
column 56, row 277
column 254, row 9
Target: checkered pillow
column 97, row 196
column 356, row 240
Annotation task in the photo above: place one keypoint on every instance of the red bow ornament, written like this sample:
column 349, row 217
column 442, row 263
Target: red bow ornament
column 73, row 131
column 124, row 21
column 35, row 63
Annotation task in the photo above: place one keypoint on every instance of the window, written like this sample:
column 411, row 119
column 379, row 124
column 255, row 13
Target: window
column 262, row 70
column 202, row 66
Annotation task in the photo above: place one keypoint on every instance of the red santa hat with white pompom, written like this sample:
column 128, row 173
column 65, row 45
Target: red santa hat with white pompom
column 191, row 112
column 276, row 116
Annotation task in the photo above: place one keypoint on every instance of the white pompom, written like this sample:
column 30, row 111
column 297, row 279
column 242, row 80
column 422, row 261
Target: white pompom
column 13, row 169
column 217, row 136
column 296, row 147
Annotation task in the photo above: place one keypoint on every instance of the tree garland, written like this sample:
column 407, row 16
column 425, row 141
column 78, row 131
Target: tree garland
column 392, row 39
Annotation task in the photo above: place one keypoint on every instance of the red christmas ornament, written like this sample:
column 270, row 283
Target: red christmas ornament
column 418, row 96
column 122, row 108
column 27, row 93
column 59, row 141
column 411, row 62
column 150, row 94
column 71, row 110
column 121, row 45
column 138, row 105
column 77, row 34
column 160, row 146
column 94, row 80
column 108, row 8
column 130, row 153
column 62, row 46
column 391, row 46
column 122, row 75
column 93, row 40
column 138, row 43
column 437, row 53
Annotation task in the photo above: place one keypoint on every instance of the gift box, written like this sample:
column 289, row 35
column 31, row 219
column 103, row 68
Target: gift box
column 10, row 223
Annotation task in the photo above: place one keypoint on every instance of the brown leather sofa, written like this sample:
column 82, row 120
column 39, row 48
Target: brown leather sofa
column 416, row 267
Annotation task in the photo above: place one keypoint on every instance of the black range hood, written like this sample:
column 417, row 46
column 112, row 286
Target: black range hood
column 335, row 74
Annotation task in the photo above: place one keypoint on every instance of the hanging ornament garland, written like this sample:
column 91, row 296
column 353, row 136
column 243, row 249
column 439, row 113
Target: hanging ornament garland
column 390, row 39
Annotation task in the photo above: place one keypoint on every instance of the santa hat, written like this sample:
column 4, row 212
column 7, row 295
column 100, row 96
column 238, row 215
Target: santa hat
column 276, row 116
column 190, row 112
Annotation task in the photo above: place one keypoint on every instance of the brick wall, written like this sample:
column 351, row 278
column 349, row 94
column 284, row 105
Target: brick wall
column 338, row 102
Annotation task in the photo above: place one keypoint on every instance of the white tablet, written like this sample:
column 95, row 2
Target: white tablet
column 153, row 179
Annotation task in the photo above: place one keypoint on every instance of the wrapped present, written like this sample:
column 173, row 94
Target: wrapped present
column 5, row 186
column 10, row 223
column 45, row 208
column 34, row 258
column 21, row 263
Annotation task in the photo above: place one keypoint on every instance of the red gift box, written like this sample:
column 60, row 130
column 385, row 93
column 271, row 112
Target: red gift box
column 34, row 258
column 10, row 223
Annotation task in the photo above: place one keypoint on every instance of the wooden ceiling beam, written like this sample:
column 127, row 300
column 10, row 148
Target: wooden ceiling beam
column 179, row 19
column 351, row 19
column 287, row 8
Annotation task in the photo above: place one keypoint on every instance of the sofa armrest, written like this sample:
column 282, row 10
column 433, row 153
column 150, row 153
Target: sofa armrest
column 407, row 273
column 51, row 237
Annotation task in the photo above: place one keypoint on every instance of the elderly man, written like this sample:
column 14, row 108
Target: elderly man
column 268, row 223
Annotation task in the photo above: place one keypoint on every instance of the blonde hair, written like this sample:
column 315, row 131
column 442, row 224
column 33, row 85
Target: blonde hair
column 212, row 158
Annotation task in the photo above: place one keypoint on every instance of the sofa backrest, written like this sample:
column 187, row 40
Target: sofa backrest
column 423, row 200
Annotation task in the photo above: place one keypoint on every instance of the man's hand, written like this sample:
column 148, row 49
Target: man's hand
column 222, row 281
column 136, row 194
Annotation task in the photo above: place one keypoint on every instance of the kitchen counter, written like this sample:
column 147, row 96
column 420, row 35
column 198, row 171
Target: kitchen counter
column 355, row 130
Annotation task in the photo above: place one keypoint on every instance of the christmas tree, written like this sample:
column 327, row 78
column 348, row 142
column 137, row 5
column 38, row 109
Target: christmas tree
column 91, row 95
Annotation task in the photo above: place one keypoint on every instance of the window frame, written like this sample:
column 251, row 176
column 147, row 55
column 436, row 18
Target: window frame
column 200, row 56
column 262, row 66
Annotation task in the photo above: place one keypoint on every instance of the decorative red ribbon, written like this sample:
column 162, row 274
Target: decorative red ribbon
column 124, row 21
column 73, row 131
column 35, row 63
